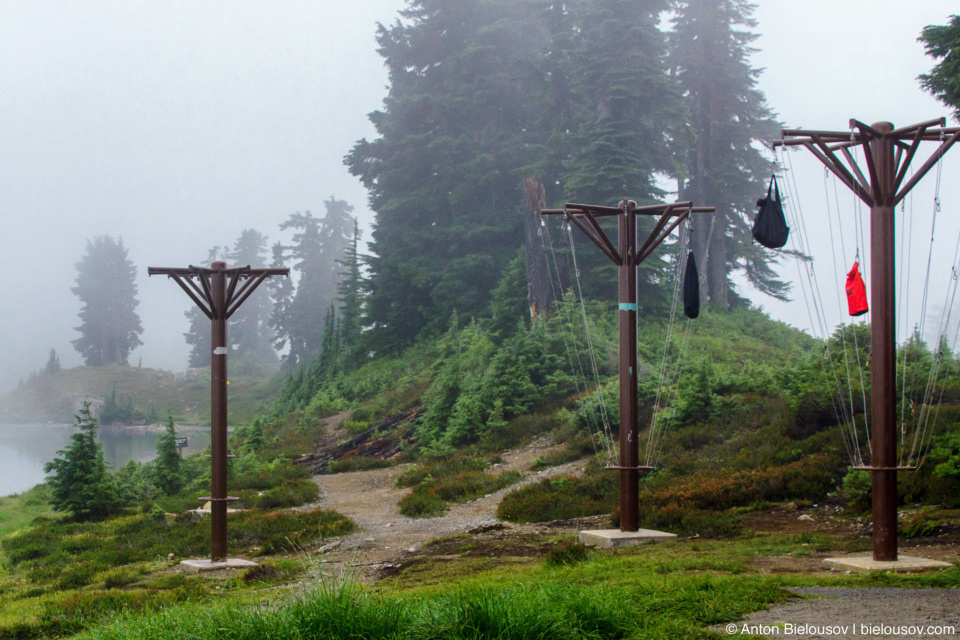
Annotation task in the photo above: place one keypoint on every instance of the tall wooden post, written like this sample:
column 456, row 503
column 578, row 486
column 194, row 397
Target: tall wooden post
column 218, row 294
column 218, row 416
column 883, row 347
column 627, row 319
column 888, row 153
column 628, row 256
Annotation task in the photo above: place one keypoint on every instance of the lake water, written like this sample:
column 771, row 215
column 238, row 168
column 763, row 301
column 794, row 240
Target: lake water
column 25, row 448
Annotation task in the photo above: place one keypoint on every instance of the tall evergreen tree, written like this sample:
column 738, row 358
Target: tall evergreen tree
column 316, row 248
column 198, row 334
column 79, row 482
column 249, row 332
column 53, row 363
column 109, row 325
column 303, row 331
column 444, row 173
column 281, row 293
column 942, row 43
column 350, row 294
column 627, row 111
column 722, row 166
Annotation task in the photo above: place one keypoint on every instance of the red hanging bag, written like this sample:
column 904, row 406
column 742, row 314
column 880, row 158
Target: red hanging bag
column 856, row 292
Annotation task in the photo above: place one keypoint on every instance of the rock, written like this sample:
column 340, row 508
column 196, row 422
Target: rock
column 489, row 525
column 169, row 556
column 327, row 548
column 412, row 550
column 806, row 518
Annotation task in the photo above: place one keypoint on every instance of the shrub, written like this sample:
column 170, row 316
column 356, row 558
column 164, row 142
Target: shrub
column 578, row 446
column 568, row 554
column 691, row 522
column 78, row 575
column 292, row 493
column 560, row 498
column 921, row 524
column 432, row 497
column 358, row 463
column 119, row 578
column 858, row 489
column 421, row 504
column 450, row 466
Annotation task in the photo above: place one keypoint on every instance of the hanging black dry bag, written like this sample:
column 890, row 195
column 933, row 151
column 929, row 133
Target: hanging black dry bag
column 770, row 228
column 691, row 288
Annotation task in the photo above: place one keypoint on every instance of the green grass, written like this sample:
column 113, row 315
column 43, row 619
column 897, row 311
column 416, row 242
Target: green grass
column 670, row 590
column 560, row 607
column 19, row 510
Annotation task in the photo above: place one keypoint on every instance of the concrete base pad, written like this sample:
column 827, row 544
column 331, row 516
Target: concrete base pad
column 867, row 563
column 607, row 538
column 196, row 566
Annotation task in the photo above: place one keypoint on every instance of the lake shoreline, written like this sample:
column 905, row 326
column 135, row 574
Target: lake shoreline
column 133, row 428
column 25, row 449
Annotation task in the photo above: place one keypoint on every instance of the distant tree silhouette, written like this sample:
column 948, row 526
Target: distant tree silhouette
column 109, row 325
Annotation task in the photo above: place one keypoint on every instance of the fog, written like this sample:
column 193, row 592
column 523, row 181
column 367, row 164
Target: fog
column 176, row 125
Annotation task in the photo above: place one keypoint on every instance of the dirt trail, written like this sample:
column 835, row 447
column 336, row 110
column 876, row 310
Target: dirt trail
column 370, row 498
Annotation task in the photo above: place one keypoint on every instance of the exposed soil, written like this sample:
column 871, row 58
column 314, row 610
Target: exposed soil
column 385, row 536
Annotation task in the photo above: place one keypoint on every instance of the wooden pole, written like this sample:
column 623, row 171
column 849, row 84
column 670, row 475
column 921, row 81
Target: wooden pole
column 887, row 166
column 628, row 257
column 627, row 318
column 215, row 293
column 883, row 347
column 218, row 415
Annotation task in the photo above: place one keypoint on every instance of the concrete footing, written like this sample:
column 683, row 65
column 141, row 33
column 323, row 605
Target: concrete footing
column 206, row 564
column 608, row 538
column 865, row 564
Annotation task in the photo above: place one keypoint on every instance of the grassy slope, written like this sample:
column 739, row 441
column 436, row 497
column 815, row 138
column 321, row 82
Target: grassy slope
column 54, row 397
column 670, row 590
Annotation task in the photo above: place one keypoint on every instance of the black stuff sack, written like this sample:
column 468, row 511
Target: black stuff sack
column 770, row 228
column 691, row 288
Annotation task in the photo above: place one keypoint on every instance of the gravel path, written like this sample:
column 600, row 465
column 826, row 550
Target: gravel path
column 827, row 613
column 370, row 498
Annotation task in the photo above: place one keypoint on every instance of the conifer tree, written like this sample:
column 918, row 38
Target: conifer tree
column 316, row 248
column 166, row 469
column 626, row 110
column 249, row 332
column 53, row 363
column 109, row 325
column 942, row 43
column 281, row 293
column 255, row 440
column 455, row 139
column 79, row 482
column 198, row 335
column 722, row 166
column 350, row 295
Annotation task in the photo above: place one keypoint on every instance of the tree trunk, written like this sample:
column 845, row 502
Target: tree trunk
column 539, row 294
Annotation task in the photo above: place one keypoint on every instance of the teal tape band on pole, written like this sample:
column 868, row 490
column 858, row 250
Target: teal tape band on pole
column 628, row 306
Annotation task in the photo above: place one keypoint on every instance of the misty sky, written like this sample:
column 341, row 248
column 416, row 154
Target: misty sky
column 176, row 125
